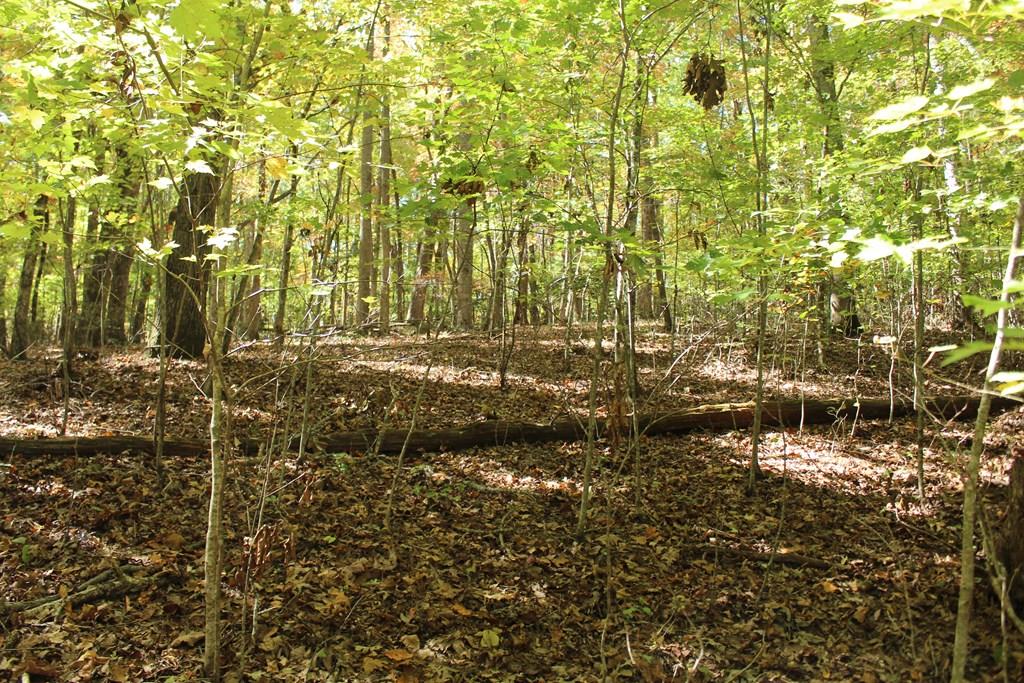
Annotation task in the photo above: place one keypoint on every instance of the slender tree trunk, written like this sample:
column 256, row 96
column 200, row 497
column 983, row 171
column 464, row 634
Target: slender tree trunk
column 760, row 146
column 69, row 305
column 523, row 279
column 92, row 285
column 138, row 326
column 384, row 196
column 465, row 224
column 21, row 336
column 37, row 283
column 3, row 311
column 366, row 254
column 397, row 252
column 966, row 597
column 282, row 283
column 220, row 444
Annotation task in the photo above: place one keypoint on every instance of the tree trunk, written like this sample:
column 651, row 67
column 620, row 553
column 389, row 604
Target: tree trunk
column 120, row 267
column 37, row 283
column 187, row 268
column 3, row 311
column 21, row 336
column 364, row 289
column 425, row 259
column 1009, row 539
column 523, row 279
column 465, row 225
column 92, row 285
column 384, row 198
column 282, row 283
column 966, row 594
column 139, row 316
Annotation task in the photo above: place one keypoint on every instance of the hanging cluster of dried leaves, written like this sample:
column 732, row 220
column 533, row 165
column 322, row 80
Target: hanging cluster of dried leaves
column 705, row 80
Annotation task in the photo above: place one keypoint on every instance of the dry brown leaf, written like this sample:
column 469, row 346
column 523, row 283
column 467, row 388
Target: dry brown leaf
column 188, row 639
column 397, row 655
column 371, row 664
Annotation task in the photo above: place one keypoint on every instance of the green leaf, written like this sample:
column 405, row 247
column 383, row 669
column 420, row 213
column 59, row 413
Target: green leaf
column 848, row 19
column 900, row 109
column 915, row 154
column 1016, row 79
column 15, row 230
column 489, row 638
column 199, row 166
column 961, row 92
column 223, row 237
column 966, row 351
column 196, row 19
column 986, row 306
column 1012, row 387
column 875, row 248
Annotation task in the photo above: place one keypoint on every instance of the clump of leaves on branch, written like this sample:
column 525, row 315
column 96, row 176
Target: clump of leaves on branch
column 705, row 79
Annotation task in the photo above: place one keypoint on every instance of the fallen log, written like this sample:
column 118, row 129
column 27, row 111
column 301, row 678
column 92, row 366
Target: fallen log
column 715, row 417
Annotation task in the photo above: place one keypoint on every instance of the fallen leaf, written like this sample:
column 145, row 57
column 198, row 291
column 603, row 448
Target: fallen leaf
column 398, row 655
column 371, row 664
column 189, row 639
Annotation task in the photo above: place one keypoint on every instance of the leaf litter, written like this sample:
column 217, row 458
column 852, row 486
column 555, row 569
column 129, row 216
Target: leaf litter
column 832, row 570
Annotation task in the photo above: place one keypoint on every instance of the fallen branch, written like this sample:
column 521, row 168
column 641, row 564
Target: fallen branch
column 108, row 584
column 790, row 559
column 489, row 433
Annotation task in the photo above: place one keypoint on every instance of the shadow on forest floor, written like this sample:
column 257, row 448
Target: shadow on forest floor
column 480, row 576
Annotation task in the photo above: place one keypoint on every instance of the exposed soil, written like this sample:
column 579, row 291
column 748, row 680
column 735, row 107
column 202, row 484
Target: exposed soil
column 832, row 570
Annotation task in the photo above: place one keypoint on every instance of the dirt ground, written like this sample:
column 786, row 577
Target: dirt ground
column 833, row 570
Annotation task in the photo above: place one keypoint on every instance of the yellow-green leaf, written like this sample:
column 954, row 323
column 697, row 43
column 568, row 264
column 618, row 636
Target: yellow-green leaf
column 915, row 154
column 963, row 91
column 900, row 109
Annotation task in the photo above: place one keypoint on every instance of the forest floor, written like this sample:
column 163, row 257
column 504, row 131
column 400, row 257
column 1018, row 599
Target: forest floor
column 833, row 569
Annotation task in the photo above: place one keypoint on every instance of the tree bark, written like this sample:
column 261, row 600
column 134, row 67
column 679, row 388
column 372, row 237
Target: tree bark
column 418, row 301
column 139, row 315
column 187, row 268
column 363, row 291
column 92, row 286
column 464, row 225
column 21, row 337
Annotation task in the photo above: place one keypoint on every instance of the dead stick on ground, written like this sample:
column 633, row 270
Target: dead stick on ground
column 791, row 559
column 97, row 588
